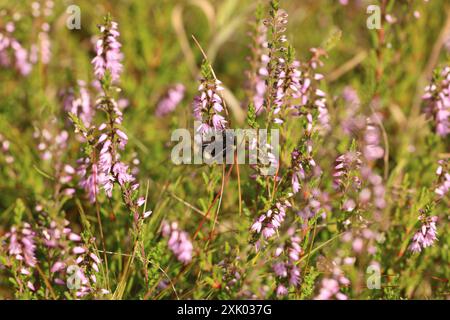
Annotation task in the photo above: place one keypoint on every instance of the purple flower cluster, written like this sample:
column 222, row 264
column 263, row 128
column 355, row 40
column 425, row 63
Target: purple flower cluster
column 52, row 146
column 331, row 285
column 298, row 173
column 44, row 9
column 310, row 97
column 302, row 163
column 318, row 203
column 437, row 98
column 352, row 121
column 109, row 56
column 110, row 168
column 107, row 169
column 12, row 53
column 103, row 167
column 259, row 63
column 287, row 86
column 208, row 106
column 374, row 190
column 178, row 241
column 269, row 222
column 87, row 266
column 346, row 165
column 426, row 236
column 80, row 104
column 73, row 259
column 64, row 251
column 286, row 269
column 275, row 60
column 331, row 289
column 41, row 51
column 171, row 100
column 22, row 244
column 372, row 149
column 361, row 240
column 88, row 174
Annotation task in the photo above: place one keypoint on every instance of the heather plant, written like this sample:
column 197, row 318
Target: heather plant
column 348, row 200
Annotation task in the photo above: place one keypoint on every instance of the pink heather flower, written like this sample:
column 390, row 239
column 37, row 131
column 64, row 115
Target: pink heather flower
column 330, row 286
column 80, row 104
column 208, row 105
column 31, row 286
column 108, row 169
column 372, row 149
column 44, row 44
column 257, row 225
column 287, row 256
column 61, row 238
column 426, row 236
column 374, row 191
column 349, row 205
column 170, row 100
column 79, row 250
column 58, row 266
column 361, row 242
column 21, row 57
column 55, row 234
column 281, row 290
column 140, row 201
column 52, row 142
column 108, row 56
column 147, row 214
column 344, row 165
column 87, row 270
column 259, row 66
column 120, row 170
column 390, row 19
column 301, row 164
column 443, row 179
column 294, row 279
column 357, row 245
column 318, row 204
column 280, row 269
column 309, row 96
column 65, row 253
column 287, row 86
column 12, row 54
column 22, row 244
column 74, row 237
column 88, row 182
column 52, row 145
column 352, row 121
column 269, row 223
column 178, row 242
column 95, row 258
column 437, row 102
